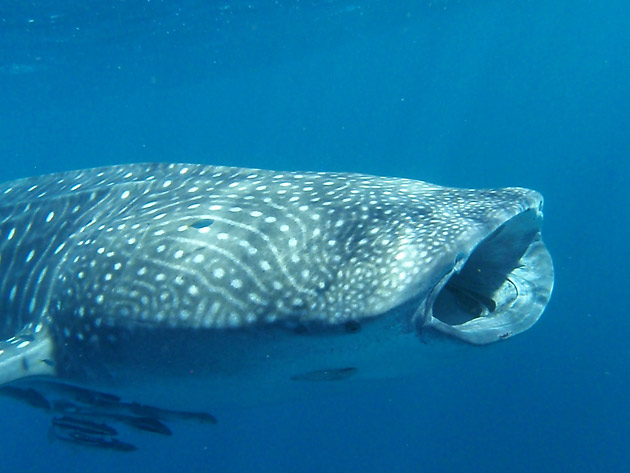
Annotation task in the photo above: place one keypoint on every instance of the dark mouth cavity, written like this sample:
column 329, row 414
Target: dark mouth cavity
column 473, row 292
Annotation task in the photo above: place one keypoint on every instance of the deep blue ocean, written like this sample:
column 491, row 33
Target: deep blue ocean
column 467, row 93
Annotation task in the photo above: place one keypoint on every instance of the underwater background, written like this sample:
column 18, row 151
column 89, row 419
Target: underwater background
column 469, row 93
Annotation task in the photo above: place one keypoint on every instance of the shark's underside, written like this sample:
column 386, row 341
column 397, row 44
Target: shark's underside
column 183, row 285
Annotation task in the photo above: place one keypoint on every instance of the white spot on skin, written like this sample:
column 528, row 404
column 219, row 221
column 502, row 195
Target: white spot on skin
column 11, row 234
column 179, row 254
column 222, row 236
column 25, row 343
column 125, row 195
column 50, row 216
column 30, row 255
column 218, row 273
column 236, row 283
column 193, row 291
column 198, row 259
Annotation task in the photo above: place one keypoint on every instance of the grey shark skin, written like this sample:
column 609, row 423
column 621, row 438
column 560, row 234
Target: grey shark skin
column 187, row 285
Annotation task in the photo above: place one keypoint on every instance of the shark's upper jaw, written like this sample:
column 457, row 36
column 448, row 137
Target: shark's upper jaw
column 498, row 289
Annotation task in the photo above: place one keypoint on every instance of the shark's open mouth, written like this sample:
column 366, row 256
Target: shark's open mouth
column 502, row 288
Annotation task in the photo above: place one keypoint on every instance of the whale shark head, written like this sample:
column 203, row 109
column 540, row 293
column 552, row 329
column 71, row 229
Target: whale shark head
column 254, row 275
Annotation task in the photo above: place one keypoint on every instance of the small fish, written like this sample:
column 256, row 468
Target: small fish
column 86, row 440
column 28, row 396
column 165, row 414
column 335, row 374
column 83, row 426
column 148, row 424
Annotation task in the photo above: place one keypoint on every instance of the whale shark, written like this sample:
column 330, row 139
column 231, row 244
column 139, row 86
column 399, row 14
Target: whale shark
column 137, row 295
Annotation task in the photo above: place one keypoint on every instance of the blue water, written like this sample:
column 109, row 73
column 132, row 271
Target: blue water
column 472, row 93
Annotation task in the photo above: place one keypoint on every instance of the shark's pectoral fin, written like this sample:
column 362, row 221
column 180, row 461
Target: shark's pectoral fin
column 28, row 353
